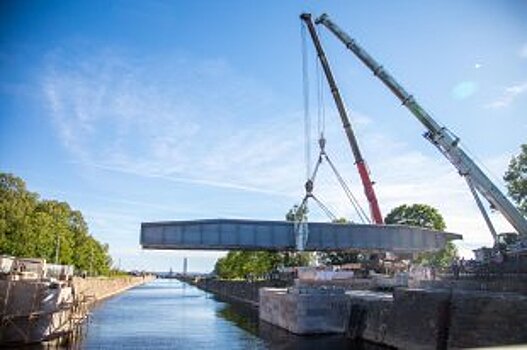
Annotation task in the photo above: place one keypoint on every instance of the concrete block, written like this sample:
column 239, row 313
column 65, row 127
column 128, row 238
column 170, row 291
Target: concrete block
column 418, row 319
column 369, row 315
column 482, row 319
column 305, row 312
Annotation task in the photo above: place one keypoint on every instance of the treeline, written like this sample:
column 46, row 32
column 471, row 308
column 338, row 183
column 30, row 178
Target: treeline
column 242, row 264
column 34, row 227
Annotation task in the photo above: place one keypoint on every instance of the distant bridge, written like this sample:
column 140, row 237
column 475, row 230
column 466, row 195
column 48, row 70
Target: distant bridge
column 231, row 234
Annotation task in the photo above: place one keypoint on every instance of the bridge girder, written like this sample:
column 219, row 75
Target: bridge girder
column 233, row 234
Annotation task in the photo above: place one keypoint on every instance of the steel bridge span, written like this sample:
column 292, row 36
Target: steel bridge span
column 232, row 234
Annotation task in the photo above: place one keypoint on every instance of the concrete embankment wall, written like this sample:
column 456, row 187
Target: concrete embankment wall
column 413, row 319
column 484, row 319
column 441, row 319
column 514, row 283
column 240, row 291
column 410, row 319
column 98, row 288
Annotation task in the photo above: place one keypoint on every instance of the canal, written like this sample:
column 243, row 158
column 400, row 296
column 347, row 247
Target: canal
column 168, row 314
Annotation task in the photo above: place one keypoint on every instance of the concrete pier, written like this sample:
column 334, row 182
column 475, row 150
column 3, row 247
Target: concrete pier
column 305, row 310
column 410, row 319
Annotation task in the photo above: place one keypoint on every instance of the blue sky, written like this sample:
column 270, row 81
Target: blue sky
column 161, row 110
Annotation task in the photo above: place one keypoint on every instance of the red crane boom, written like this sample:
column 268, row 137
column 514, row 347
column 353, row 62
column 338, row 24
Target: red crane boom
column 364, row 174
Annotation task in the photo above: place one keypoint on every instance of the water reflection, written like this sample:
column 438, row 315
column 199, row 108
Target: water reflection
column 246, row 318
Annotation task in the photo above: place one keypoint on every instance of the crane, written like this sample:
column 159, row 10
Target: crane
column 442, row 138
column 375, row 211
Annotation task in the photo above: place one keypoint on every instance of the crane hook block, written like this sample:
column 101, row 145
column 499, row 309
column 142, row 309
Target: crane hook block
column 309, row 186
column 322, row 143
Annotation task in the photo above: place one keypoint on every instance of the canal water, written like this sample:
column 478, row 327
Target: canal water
column 168, row 314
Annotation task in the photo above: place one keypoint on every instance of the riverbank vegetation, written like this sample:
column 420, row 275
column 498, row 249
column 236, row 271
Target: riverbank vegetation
column 243, row 264
column 49, row 229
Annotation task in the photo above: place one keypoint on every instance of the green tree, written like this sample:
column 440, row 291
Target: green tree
column 516, row 179
column 339, row 258
column 420, row 215
column 340, row 221
column 16, row 208
column 60, row 235
column 297, row 213
column 423, row 215
column 441, row 259
column 240, row 264
column 30, row 227
column 293, row 259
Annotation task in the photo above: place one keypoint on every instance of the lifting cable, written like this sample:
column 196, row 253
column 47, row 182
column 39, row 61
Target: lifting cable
column 353, row 200
column 321, row 110
column 305, row 90
column 325, row 209
column 321, row 124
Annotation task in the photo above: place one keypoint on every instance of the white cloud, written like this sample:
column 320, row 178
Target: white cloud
column 128, row 169
column 359, row 119
column 173, row 118
column 523, row 51
column 464, row 90
column 508, row 95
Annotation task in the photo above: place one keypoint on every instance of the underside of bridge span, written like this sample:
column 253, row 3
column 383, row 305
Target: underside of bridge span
column 231, row 234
